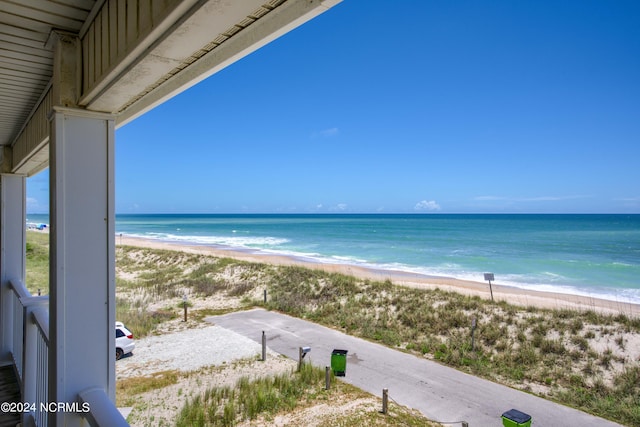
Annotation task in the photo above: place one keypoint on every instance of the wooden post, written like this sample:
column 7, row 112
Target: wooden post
column 473, row 328
column 184, row 305
column 299, row 359
column 265, row 296
column 264, row 347
column 327, row 378
column 385, row 401
column 489, row 277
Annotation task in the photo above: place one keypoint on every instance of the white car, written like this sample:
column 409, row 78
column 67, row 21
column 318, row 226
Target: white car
column 124, row 340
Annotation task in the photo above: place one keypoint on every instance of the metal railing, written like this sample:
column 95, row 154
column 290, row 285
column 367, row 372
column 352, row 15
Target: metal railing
column 30, row 354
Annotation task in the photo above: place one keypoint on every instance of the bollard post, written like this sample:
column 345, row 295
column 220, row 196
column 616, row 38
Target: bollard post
column 385, row 401
column 473, row 329
column 265, row 296
column 264, row 347
column 327, row 378
column 302, row 351
column 184, row 304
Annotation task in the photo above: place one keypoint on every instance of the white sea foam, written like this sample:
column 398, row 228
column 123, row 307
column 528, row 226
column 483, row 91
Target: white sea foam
column 621, row 264
column 552, row 284
column 304, row 256
column 227, row 241
column 543, row 281
column 347, row 259
column 555, row 283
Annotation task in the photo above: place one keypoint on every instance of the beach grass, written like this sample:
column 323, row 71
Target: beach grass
column 554, row 353
column 37, row 258
column 585, row 359
column 128, row 388
column 263, row 398
column 557, row 354
column 139, row 318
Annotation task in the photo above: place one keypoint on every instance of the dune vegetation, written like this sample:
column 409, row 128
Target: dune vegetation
column 583, row 359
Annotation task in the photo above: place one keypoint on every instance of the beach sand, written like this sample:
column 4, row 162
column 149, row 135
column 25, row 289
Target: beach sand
column 518, row 296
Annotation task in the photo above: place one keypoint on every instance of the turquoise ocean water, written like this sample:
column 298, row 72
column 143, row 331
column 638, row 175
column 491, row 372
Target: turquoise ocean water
column 594, row 255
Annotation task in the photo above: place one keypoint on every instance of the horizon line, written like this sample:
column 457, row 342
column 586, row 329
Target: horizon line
column 363, row 213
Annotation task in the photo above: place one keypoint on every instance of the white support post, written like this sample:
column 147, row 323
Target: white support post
column 12, row 251
column 82, row 262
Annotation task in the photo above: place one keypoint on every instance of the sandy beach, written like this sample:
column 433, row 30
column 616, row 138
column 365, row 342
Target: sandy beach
column 523, row 297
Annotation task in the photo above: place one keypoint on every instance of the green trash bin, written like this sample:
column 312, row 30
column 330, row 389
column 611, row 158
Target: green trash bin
column 515, row 418
column 339, row 362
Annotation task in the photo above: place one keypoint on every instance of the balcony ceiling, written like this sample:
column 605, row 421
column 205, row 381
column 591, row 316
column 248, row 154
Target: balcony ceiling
column 184, row 41
column 26, row 65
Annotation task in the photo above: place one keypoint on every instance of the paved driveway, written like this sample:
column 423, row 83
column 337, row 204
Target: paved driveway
column 442, row 394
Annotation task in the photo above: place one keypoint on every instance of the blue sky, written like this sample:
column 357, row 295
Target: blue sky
column 400, row 107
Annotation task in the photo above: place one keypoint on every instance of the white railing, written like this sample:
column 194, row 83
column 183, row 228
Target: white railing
column 39, row 363
column 17, row 295
column 30, row 354
column 30, row 349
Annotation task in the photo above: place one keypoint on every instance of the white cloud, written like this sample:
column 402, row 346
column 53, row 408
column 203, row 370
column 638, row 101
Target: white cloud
column 327, row 133
column 340, row 207
column 531, row 199
column 330, row 132
column 545, row 199
column 482, row 198
column 34, row 206
column 427, row 205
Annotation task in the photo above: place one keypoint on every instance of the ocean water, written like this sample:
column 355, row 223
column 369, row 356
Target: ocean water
column 593, row 255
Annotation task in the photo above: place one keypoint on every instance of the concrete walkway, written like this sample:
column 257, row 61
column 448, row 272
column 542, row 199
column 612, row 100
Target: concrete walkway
column 442, row 394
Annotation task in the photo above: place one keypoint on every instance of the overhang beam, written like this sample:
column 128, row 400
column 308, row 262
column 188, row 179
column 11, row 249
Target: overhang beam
column 129, row 69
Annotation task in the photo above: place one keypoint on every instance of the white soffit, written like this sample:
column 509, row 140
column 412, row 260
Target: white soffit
column 223, row 32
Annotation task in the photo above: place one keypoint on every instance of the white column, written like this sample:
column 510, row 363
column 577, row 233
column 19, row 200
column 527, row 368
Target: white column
column 82, row 262
column 12, row 250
